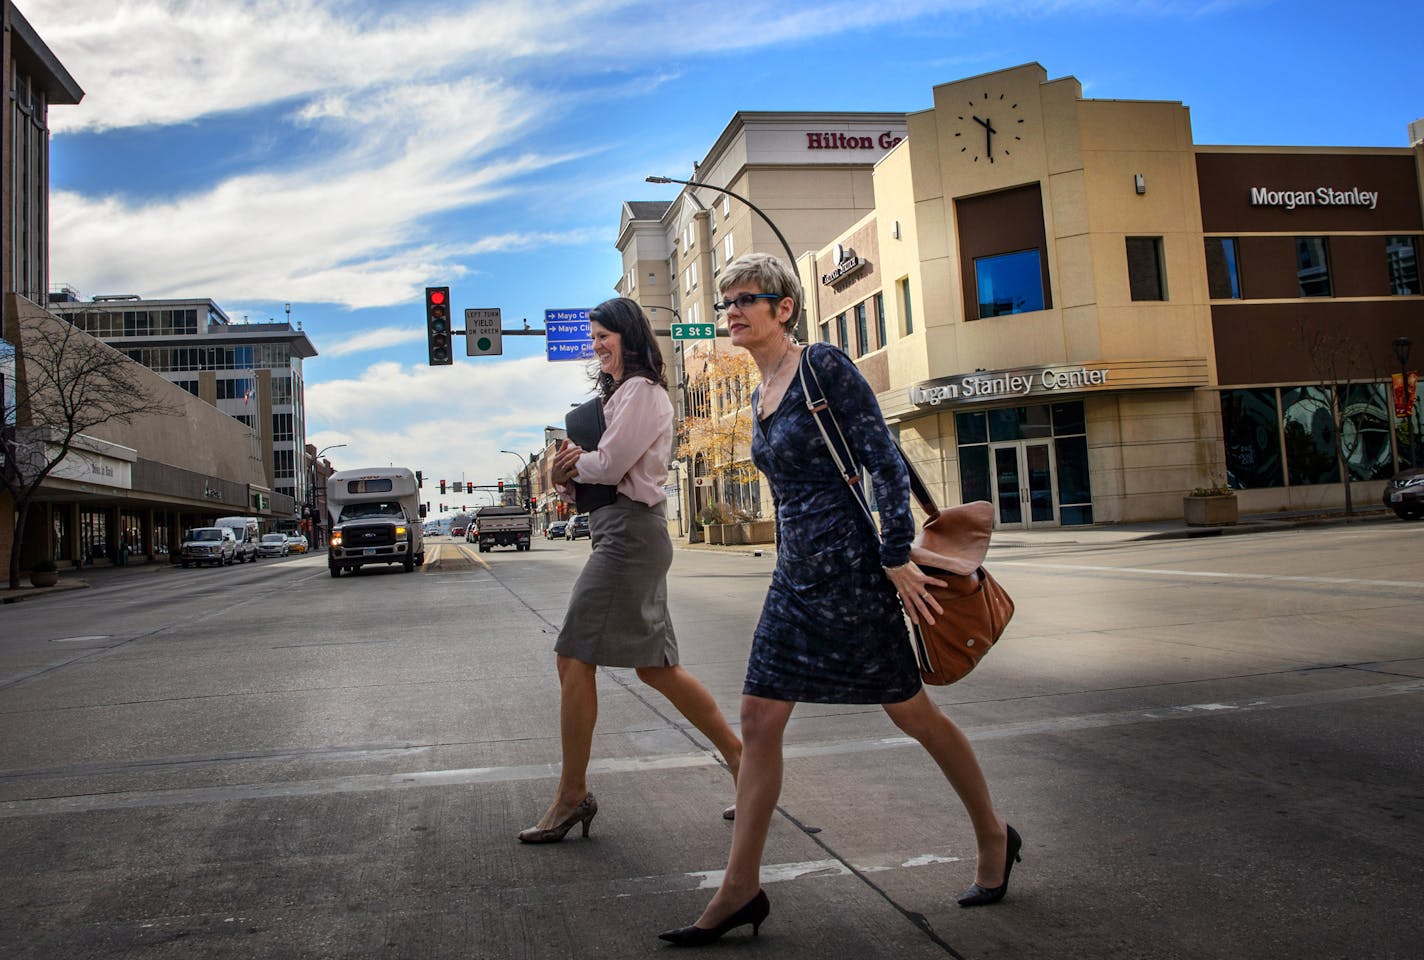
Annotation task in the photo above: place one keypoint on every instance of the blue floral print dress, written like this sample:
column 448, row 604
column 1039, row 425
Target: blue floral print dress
column 832, row 629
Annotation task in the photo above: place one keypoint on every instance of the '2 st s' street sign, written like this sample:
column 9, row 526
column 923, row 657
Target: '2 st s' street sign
column 694, row 331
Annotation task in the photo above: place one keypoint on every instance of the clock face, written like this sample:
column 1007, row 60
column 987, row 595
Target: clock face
column 990, row 128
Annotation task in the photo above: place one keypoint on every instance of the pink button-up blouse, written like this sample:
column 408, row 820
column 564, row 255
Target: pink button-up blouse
column 636, row 444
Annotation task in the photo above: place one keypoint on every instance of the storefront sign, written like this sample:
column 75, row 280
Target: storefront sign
column 1319, row 197
column 847, row 262
column 1013, row 383
column 86, row 467
column 832, row 140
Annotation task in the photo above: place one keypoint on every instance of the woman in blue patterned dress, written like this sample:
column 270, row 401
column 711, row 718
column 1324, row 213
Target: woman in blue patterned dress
column 832, row 628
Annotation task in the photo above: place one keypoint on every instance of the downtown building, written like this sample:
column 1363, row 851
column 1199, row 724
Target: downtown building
column 1069, row 308
column 250, row 371
column 125, row 491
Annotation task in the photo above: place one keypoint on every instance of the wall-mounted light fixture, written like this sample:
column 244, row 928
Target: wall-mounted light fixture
column 1140, row 182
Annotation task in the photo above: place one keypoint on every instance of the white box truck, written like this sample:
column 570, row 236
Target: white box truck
column 376, row 517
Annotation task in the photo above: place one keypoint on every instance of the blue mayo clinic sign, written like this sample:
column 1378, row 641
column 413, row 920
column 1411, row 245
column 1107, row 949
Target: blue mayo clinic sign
column 566, row 335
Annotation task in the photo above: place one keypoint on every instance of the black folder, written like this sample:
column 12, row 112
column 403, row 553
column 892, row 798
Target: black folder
column 585, row 426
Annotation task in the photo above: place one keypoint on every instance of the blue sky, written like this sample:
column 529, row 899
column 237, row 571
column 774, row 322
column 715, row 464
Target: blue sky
column 339, row 155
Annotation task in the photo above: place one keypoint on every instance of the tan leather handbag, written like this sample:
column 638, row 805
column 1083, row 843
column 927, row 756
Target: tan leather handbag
column 950, row 547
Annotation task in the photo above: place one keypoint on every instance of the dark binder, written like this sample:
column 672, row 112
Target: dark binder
column 585, row 426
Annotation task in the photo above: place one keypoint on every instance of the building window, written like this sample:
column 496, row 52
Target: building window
column 1250, row 426
column 880, row 318
column 240, row 389
column 281, row 427
column 1223, row 271
column 1064, row 424
column 281, row 391
column 283, row 464
column 727, row 248
column 1402, row 253
column 862, row 331
column 842, row 339
column 905, row 310
column 825, row 331
column 1009, row 283
column 1146, row 274
column 1312, row 266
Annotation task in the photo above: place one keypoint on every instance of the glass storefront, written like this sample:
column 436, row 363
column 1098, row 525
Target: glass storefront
column 94, row 535
column 1031, row 462
column 1287, row 436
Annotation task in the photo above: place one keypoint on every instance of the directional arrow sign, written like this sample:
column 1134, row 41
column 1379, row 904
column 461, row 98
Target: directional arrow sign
column 694, row 331
column 566, row 334
column 483, row 333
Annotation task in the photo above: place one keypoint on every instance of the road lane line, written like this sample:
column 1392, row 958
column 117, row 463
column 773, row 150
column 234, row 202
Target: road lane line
column 1212, row 574
column 369, row 783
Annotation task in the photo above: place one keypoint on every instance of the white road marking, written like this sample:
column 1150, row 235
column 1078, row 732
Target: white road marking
column 1212, row 574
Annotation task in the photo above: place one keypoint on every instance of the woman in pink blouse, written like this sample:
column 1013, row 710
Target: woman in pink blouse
column 618, row 614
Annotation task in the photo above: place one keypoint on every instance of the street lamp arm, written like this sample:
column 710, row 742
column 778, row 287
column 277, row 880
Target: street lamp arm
column 790, row 257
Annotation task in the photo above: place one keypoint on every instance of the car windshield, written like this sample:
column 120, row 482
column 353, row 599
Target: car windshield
column 207, row 535
column 376, row 508
column 274, row 538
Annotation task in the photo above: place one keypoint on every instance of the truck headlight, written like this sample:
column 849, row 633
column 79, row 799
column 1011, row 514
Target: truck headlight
column 400, row 531
column 336, row 538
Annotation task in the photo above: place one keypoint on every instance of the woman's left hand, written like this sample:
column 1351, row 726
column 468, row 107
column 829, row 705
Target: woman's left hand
column 565, row 463
column 911, row 581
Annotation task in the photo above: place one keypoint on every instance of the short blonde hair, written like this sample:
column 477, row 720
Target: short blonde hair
column 771, row 274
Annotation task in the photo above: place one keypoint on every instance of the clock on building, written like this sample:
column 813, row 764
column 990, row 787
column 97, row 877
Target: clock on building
column 990, row 128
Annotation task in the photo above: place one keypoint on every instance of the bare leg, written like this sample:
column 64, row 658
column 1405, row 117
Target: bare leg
column 693, row 701
column 922, row 719
column 578, row 713
column 758, row 789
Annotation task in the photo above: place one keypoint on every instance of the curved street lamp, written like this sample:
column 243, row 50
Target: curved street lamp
column 522, row 464
column 313, row 512
column 790, row 257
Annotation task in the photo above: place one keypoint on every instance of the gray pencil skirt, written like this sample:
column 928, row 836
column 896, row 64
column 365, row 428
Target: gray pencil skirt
column 618, row 614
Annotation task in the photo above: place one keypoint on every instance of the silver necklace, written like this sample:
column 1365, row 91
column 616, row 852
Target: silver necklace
column 766, row 383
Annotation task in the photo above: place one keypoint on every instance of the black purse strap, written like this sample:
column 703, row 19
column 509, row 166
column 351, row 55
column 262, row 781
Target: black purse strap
column 839, row 448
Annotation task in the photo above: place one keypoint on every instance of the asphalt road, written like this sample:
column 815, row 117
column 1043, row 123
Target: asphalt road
column 1211, row 748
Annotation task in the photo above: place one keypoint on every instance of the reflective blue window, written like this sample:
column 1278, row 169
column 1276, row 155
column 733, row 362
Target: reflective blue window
column 1009, row 283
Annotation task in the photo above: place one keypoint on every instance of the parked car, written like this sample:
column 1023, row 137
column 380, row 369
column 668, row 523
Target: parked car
column 578, row 527
column 248, row 534
column 296, row 543
column 1404, row 494
column 556, row 530
column 273, row 545
column 215, row 545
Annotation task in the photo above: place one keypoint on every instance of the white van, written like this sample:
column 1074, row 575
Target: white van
column 247, row 533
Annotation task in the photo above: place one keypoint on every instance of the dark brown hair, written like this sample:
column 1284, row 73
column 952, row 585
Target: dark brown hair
column 641, row 356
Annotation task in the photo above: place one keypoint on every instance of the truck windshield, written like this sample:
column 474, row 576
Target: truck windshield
column 207, row 535
column 377, row 508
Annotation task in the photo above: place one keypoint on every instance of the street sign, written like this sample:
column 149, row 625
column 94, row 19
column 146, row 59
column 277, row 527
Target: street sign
column 694, row 331
column 703, row 481
column 483, row 333
column 566, row 334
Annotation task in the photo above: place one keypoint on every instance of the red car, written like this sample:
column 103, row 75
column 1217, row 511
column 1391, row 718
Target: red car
column 457, row 531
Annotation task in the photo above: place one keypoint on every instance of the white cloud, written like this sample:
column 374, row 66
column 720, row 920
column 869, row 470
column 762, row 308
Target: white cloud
column 376, row 339
column 446, row 421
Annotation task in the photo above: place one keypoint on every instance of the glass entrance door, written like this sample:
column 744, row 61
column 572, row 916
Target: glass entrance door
column 1024, row 484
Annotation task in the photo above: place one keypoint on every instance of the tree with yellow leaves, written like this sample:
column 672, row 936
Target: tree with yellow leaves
column 717, row 425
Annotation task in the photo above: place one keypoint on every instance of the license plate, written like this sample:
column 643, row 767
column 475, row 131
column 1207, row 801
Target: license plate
column 1395, row 497
column 369, row 551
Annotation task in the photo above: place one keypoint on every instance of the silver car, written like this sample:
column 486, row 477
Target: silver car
column 273, row 545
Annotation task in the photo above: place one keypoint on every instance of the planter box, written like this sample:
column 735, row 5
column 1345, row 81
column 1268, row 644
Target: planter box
column 1216, row 511
column 730, row 534
column 758, row 531
column 45, row 578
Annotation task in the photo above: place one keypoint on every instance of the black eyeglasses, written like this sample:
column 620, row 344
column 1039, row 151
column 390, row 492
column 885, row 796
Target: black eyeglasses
column 744, row 301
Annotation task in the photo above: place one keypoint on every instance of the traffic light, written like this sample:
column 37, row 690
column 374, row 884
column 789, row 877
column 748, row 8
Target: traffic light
column 437, row 325
column 470, row 486
column 501, row 486
column 531, row 504
column 442, row 487
column 419, row 479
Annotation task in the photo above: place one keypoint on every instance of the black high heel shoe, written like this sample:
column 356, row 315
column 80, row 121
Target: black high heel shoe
column 977, row 896
column 754, row 911
column 584, row 812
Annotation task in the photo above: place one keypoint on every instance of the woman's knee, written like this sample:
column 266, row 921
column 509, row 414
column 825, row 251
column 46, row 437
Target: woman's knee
column 917, row 717
column 763, row 718
column 657, row 677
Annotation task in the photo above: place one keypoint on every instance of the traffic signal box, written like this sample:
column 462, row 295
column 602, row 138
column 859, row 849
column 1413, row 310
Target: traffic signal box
column 442, row 488
column 437, row 325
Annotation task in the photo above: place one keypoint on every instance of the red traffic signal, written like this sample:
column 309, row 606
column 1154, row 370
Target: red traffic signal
column 437, row 325
column 442, row 487
column 470, row 486
column 501, row 486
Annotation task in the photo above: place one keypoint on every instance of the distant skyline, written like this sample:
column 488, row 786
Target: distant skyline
column 340, row 155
